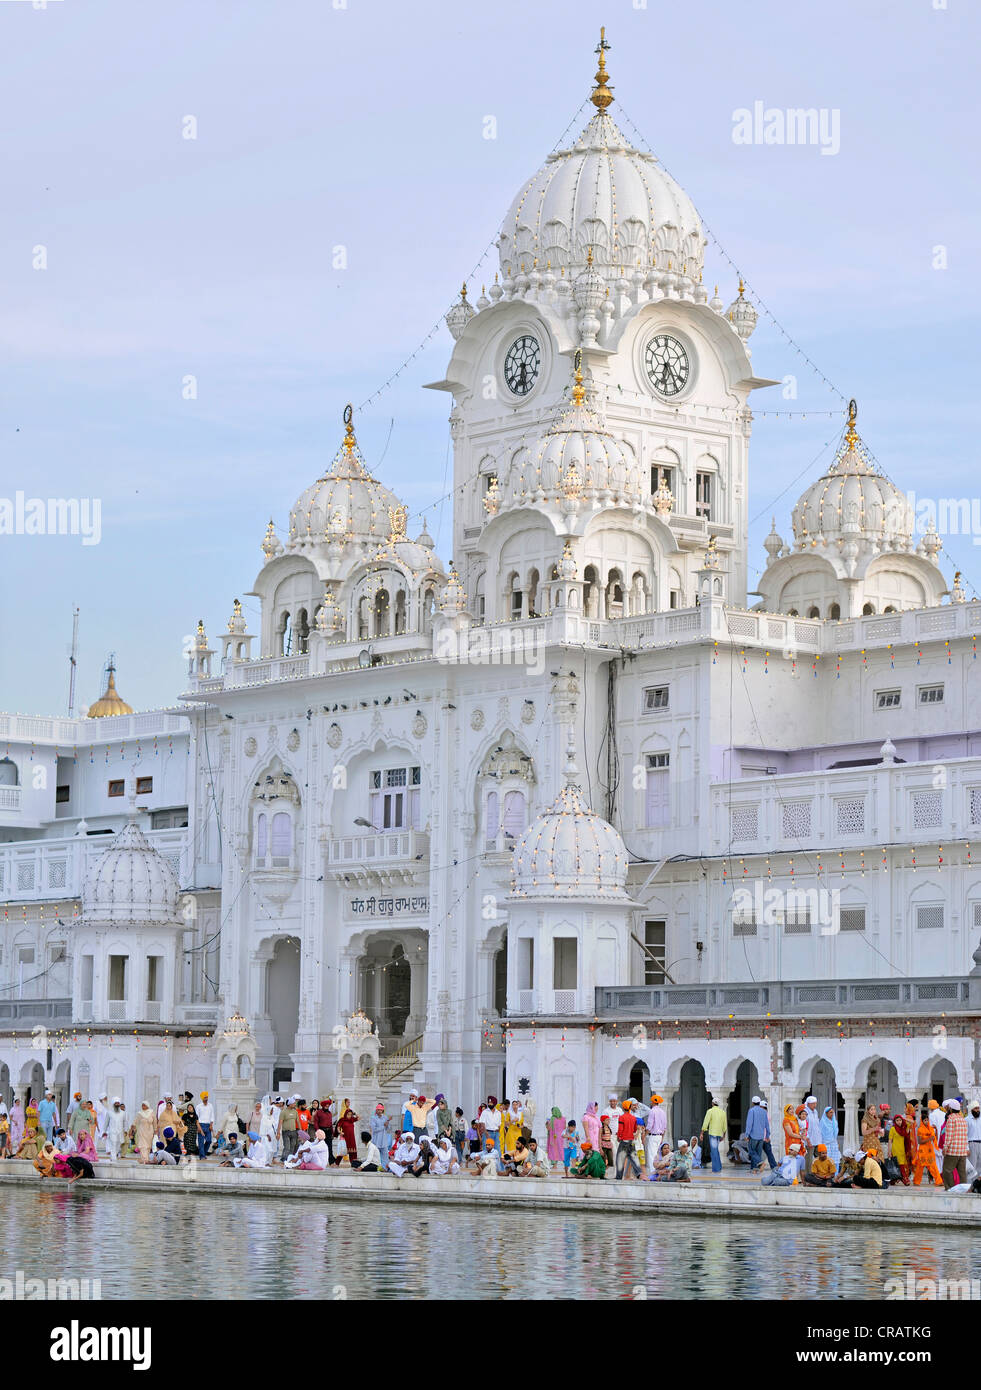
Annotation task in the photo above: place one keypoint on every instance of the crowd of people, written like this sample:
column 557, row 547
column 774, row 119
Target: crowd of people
column 627, row 1140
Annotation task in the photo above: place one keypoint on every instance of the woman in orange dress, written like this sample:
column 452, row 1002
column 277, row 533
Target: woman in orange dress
column 791, row 1130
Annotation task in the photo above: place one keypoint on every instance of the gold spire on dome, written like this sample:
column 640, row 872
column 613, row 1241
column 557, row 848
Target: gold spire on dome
column 601, row 96
column 463, row 292
column 578, row 391
column 851, row 433
column 110, row 701
column 350, row 443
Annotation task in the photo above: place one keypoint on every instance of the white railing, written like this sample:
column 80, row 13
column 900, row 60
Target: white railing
column 270, row 668
column 836, row 809
column 68, row 733
column 45, row 869
column 391, row 846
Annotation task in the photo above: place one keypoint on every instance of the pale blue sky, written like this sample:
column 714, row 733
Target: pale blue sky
column 363, row 126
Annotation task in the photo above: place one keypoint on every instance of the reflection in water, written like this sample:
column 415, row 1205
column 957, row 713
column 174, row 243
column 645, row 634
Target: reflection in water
column 181, row 1245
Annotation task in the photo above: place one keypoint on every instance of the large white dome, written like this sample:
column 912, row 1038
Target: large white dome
column 130, row 882
column 601, row 194
column 569, row 852
column 346, row 504
column 852, row 500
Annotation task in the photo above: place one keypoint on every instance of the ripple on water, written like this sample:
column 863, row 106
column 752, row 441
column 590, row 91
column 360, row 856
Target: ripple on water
column 187, row 1246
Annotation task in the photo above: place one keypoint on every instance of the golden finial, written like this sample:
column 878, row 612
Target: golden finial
column 350, row 443
column 463, row 292
column 741, row 287
column 851, row 433
column 601, row 96
column 578, row 391
column 589, row 255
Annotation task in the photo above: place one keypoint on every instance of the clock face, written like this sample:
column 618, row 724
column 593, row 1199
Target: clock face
column 667, row 365
column 524, row 357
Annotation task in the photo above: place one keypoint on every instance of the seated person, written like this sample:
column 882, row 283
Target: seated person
column 786, row 1174
column 871, row 1175
column 849, row 1170
column 739, row 1151
column 444, row 1161
column 404, row 1158
column 63, row 1142
column 160, row 1154
column 371, row 1161
column 422, row 1165
column 259, row 1155
column 313, row 1155
column 680, row 1163
column 822, row 1168
column 485, row 1164
column 662, row 1164
column 533, row 1165
column 233, row 1150
column 591, row 1165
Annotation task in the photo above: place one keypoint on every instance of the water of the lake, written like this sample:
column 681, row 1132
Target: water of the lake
column 181, row 1246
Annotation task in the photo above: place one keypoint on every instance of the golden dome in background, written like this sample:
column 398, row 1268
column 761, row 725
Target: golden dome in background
column 110, row 701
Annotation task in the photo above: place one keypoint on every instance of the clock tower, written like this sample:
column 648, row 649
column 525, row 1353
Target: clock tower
column 636, row 458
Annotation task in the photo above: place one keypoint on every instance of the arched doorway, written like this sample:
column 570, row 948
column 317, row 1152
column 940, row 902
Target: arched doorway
column 690, row 1102
column 737, row 1104
column 6, row 1093
column 639, row 1083
column 882, row 1087
column 283, row 1004
column 943, row 1081
column 32, row 1076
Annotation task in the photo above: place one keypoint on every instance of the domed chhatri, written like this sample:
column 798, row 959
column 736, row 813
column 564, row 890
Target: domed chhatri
column 853, row 498
column 130, row 882
column 569, row 851
column 604, row 195
column 110, row 702
column 346, row 504
column 576, row 457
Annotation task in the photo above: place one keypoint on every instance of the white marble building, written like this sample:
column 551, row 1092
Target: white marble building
column 575, row 813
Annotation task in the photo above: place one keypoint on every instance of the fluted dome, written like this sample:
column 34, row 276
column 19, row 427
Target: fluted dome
column 130, row 882
column 853, row 500
column 110, row 702
column 576, row 457
column 346, row 504
column 601, row 194
column 569, row 852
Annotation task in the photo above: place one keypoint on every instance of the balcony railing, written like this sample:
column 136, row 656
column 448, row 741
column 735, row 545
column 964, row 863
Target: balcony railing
column 389, row 847
column 906, row 996
column 29, row 1011
column 46, row 869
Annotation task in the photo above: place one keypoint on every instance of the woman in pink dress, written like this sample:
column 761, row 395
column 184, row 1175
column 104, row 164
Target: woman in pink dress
column 591, row 1124
column 554, row 1128
column 16, row 1126
column 85, row 1146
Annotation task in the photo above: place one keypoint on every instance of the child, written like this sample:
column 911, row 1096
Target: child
column 570, row 1146
column 606, row 1140
column 460, row 1135
column 473, row 1139
column 4, row 1134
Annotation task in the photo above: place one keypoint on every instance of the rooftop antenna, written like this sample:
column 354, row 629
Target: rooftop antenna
column 73, row 663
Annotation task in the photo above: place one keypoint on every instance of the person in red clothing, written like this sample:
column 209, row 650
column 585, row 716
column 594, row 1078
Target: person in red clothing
column 322, row 1118
column 626, row 1134
column 303, row 1113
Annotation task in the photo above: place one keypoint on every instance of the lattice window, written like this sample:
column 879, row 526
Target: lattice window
column 796, row 820
column 976, row 805
column 745, row 822
column 851, row 919
column 928, row 809
column 817, row 994
column 850, row 815
column 25, row 876
column 797, row 921
column 743, row 924
column 977, row 911
column 930, row 917
column 56, row 874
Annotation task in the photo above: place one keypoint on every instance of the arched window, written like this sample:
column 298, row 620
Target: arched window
column 400, row 611
column 285, row 631
column 362, row 618
column 868, row 609
column 515, row 596
column 261, row 837
column 889, row 608
column 793, row 613
column 8, row 773
column 493, row 816
column 381, row 613
column 515, row 815
column 281, row 839
column 814, row 612
column 834, row 611
column 590, row 592
column 428, row 609
column 533, row 594
column 614, row 595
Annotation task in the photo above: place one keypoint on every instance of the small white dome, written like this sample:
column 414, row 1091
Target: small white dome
column 853, row 500
column 346, row 504
column 130, row 882
column 569, row 852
